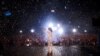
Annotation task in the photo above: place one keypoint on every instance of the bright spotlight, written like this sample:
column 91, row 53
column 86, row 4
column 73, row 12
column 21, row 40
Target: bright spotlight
column 60, row 31
column 85, row 30
column 74, row 30
column 32, row 30
column 21, row 31
column 52, row 10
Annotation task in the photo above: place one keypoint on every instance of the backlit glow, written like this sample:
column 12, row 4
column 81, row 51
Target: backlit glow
column 60, row 31
column 50, row 25
column 58, row 25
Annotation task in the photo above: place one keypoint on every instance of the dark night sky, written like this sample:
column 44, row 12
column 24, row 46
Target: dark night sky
column 27, row 14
